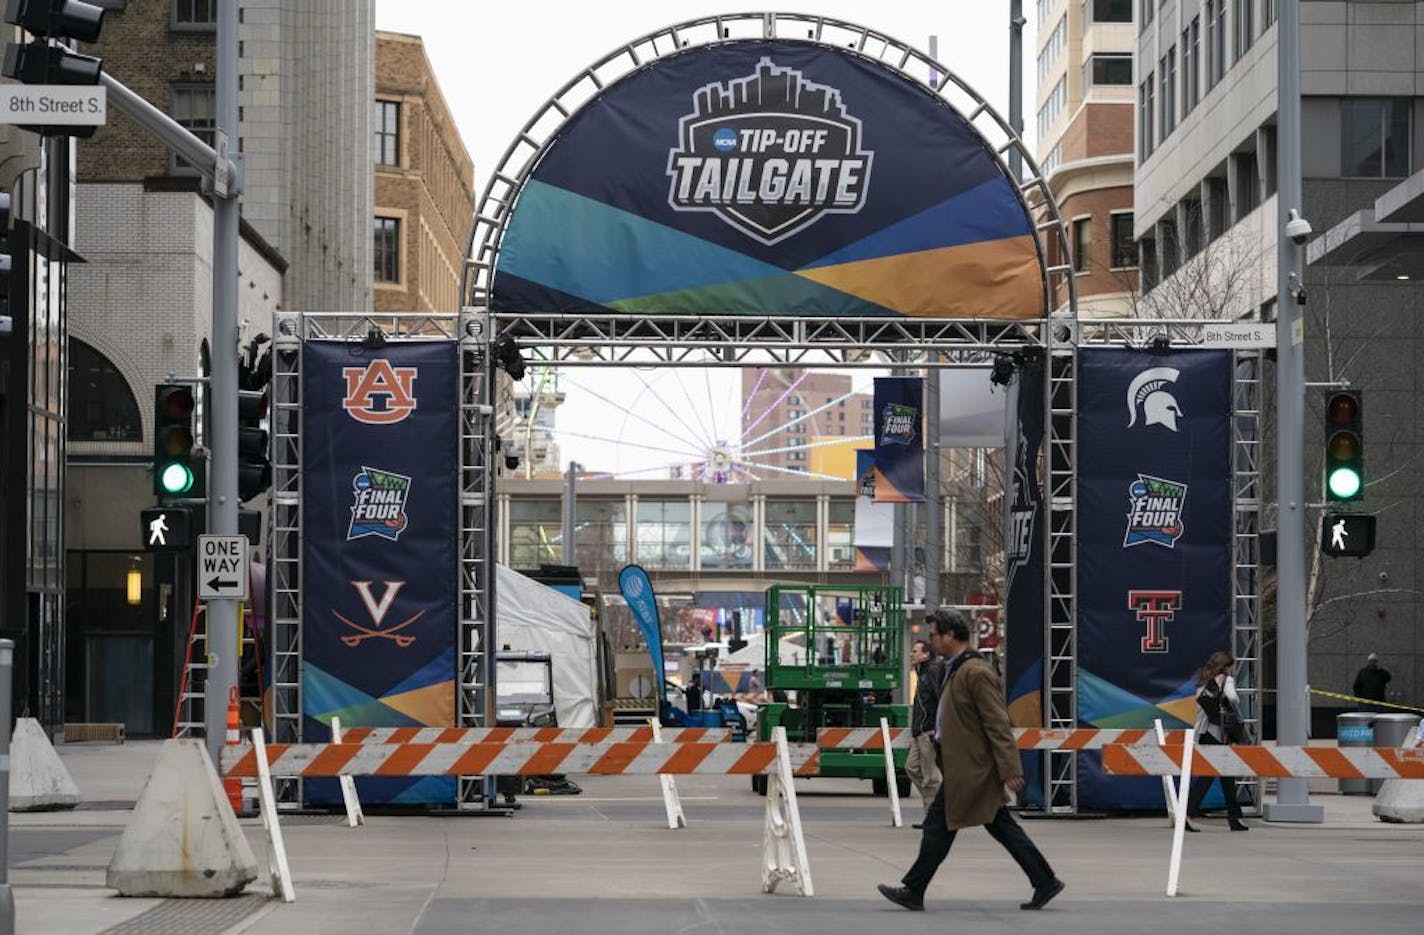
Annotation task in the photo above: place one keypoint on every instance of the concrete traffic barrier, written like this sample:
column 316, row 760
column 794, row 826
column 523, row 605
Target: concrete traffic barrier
column 1401, row 800
column 38, row 780
column 183, row 838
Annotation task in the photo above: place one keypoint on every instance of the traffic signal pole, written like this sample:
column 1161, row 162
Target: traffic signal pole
column 1292, row 697
column 225, row 177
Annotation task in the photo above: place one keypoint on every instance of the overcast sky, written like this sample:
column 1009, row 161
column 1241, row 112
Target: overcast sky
column 497, row 63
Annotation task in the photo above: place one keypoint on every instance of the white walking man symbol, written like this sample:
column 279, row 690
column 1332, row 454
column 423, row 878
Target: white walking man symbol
column 1338, row 535
column 157, row 530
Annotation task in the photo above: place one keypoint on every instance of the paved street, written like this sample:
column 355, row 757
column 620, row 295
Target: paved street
column 604, row 862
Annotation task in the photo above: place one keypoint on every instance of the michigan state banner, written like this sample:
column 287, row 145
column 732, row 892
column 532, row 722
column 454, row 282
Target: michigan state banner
column 379, row 548
column 1154, row 545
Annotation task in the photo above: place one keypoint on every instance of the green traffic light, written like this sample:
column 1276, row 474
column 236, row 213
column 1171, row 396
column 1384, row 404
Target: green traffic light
column 1344, row 483
column 175, row 478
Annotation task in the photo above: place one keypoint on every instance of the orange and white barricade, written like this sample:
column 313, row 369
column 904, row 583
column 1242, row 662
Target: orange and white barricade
column 784, row 846
column 1026, row 738
column 1268, row 762
column 470, row 735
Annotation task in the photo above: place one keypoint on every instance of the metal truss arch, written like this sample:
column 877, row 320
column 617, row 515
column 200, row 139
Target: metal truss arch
column 543, row 129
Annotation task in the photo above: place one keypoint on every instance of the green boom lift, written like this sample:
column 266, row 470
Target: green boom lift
column 839, row 649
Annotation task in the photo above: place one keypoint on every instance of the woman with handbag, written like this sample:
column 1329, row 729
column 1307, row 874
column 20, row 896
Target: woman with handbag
column 1218, row 723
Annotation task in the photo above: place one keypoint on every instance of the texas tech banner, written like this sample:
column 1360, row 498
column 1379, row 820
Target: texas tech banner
column 379, row 550
column 1154, row 544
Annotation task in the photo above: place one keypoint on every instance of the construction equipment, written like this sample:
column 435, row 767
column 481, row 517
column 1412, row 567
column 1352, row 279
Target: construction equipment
column 839, row 649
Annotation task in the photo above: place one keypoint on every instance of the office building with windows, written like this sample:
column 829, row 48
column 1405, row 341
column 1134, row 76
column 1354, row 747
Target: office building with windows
column 424, row 184
column 1084, row 143
column 791, row 416
column 140, row 306
column 1207, row 228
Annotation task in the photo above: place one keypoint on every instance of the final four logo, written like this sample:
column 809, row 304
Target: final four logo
column 769, row 154
column 1155, row 511
column 898, row 424
column 379, row 505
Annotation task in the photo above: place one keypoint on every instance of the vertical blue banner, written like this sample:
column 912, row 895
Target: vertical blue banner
column 643, row 603
column 1023, row 555
column 874, row 522
column 1154, row 545
column 379, row 548
column 899, row 440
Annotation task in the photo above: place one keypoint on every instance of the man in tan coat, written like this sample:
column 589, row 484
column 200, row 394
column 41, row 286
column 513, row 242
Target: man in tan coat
column 978, row 758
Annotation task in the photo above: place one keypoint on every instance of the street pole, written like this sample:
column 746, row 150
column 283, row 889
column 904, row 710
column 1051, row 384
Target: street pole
column 569, row 513
column 1016, row 25
column 7, row 895
column 1292, row 699
column 222, row 402
column 934, row 500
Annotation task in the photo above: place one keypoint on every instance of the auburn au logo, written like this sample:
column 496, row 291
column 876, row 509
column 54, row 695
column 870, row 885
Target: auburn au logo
column 393, row 387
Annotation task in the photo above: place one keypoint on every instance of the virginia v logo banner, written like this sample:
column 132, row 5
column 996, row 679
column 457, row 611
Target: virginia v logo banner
column 379, row 557
column 1154, row 544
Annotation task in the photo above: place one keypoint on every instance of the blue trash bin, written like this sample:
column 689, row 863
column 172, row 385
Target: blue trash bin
column 1355, row 730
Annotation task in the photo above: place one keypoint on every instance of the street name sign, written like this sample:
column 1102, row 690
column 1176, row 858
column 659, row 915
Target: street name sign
column 222, row 567
column 165, row 529
column 1243, row 335
column 54, row 104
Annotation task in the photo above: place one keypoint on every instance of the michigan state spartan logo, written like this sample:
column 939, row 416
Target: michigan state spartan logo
column 769, row 154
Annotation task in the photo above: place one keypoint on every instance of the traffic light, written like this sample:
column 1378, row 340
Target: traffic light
column 47, row 59
column 176, row 471
column 254, row 470
column 1344, row 446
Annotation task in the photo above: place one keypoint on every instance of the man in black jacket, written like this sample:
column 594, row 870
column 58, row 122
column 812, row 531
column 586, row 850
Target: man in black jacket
column 1371, row 681
column 922, row 762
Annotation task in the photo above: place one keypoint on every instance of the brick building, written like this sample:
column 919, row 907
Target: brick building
column 424, row 188
column 1084, row 132
column 786, row 409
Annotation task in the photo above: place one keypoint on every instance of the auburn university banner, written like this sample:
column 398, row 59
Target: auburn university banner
column 769, row 178
column 1154, row 544
column 379, row 551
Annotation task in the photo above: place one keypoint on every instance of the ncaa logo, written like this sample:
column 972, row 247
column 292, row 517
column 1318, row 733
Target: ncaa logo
column 379, row 394
column 724, row 140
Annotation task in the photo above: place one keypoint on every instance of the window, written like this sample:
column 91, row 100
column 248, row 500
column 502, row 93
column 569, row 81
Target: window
column 1144, row 19
column 1191, row 65
column 1168, row 247
column 1147, row 250
column 1111, row 11
column 194, row 107
column 536, row 527
column 1268, row 13
column 387, row 249
column 1191, row 219
column 1374, row 138
column 1053, row 160
column 664, row 533
column 727, row 533
column 1053, row 48
column 102, row 407
column 387, row 124
column 1145, row 104
column 1216, row 213
column 600, row 533
column 1057, row 101
column 790, row 534
column 1248, row 183
column 1044, row 8
column 1108, row 69
column 1245, row 27
column 1169, row 92
column 195, row 15
column 1215, row 41
column 840, row 532
column 1124, row 250
column 1082, row 243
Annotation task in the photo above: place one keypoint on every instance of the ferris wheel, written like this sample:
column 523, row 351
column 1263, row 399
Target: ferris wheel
column 712, row 426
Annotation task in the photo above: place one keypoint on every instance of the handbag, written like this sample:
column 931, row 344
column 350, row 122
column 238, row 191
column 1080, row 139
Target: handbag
column 1222, row 713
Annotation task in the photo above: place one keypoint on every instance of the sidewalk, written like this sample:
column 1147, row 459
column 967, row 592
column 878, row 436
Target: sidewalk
column 605, row 862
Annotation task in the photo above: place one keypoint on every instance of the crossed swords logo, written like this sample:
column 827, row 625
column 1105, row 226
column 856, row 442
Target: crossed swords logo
column 378, row 610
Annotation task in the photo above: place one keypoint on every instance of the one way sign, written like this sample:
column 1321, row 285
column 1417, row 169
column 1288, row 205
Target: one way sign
column 222, row 567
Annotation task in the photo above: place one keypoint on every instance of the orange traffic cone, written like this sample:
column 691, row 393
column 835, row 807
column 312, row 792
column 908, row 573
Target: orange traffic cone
column 232, row 785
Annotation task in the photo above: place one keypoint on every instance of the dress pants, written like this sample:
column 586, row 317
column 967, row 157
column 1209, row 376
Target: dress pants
column 1202, row 784
column 922, row 766
column 936, row 840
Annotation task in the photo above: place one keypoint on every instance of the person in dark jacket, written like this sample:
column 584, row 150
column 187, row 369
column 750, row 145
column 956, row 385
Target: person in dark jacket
column 1371, row 681
column 979, row 759
column 922, row 762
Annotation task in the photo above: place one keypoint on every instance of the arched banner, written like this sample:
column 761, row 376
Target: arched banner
column 776, row 177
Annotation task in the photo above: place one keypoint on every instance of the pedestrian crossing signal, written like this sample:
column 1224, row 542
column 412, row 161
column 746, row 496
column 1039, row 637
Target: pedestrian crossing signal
column 1347, row 535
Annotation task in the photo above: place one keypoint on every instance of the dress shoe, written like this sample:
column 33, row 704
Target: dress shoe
column 1043, row 894
column 1239, row 825
column 1191, row 828
column 918, row 825
column 903, row 896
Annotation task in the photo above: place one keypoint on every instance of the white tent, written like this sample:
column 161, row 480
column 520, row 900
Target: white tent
column 533, row 617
